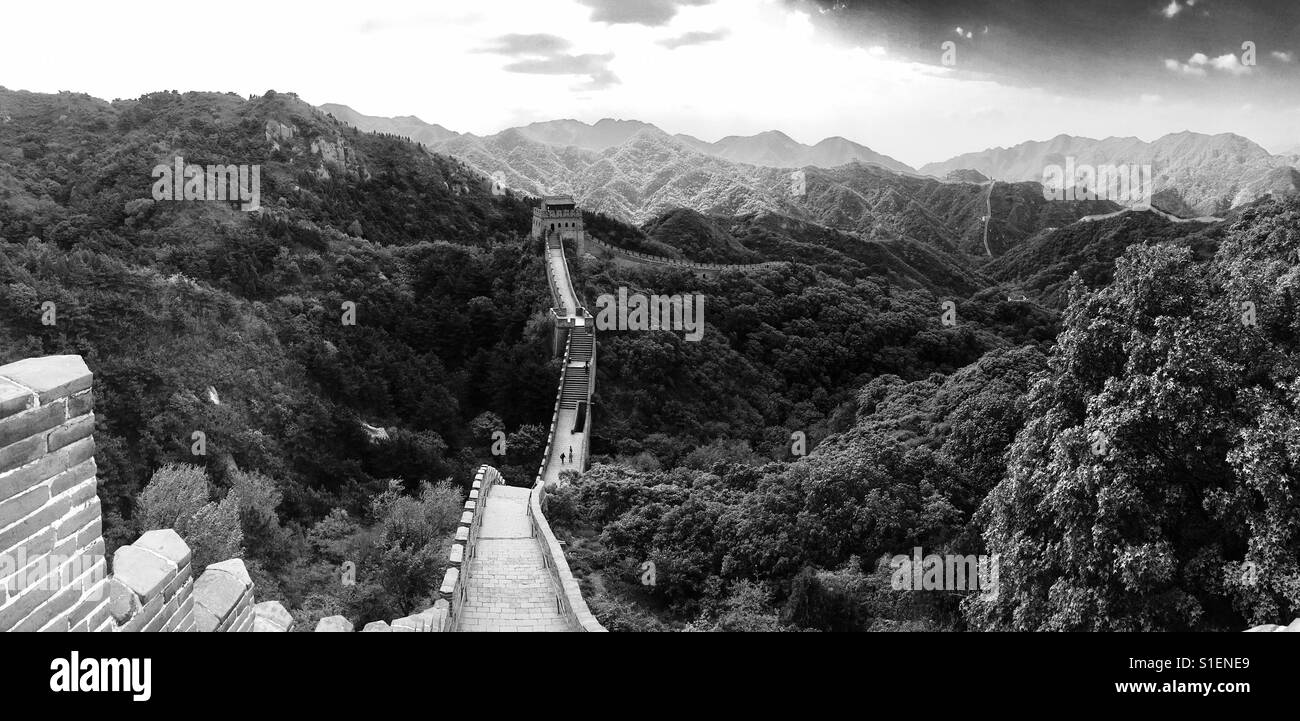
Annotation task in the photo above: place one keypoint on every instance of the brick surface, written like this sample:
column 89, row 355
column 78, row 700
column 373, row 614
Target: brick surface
column 23, row 504
column 143, row 572
column 14, row 398
column 19, row 454
column 50, row 377
column 38, row 522
column 74, row 477
column 509, row 586
column 80, row 404
column 33, row 422
column 70, row 432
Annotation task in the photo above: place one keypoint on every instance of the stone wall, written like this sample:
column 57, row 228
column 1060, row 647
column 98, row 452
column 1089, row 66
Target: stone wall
column 53, row 570
column 152, row 585
column 52, row 565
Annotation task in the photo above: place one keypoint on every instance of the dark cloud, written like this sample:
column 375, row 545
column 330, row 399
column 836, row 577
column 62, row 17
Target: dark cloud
column 1100, row 46
column 638, row 12
column 544, row 54
column 694, row 38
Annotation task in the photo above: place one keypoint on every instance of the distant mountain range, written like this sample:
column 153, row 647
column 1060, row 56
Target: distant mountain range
column 771, row 149
column 1194, row 174
column 406, row 125
column 636, row 172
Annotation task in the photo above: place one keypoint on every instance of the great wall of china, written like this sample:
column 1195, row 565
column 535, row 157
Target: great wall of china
column 507, row 571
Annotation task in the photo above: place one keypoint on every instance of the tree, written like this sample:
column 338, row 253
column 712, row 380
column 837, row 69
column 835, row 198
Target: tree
column 1160, row 458
column 179, row 497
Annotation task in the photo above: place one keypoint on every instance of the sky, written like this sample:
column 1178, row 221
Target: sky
column 919, row 80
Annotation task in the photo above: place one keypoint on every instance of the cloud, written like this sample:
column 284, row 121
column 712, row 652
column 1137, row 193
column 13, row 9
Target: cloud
column 1173, row 8
column 1229, row 63
column 1283, row 56
column 1200, row 63
column 545, row 54
column 693, row 38
column 596, row 67
column 637, row 12
column 1194, row 66
column 527, row 44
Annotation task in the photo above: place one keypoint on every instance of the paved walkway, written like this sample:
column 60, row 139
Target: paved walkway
column 559, row 270
column 564, row 439
column 509, row 589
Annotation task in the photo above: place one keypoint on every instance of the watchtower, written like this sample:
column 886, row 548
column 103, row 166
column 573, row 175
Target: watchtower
column 559, row 220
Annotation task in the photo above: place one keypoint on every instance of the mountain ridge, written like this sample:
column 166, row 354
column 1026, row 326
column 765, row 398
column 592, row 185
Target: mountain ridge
column 1206, row 174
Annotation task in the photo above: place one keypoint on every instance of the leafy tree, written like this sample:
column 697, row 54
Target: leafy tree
column 179, row 497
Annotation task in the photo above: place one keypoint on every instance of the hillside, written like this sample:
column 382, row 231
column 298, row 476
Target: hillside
column 195, row 316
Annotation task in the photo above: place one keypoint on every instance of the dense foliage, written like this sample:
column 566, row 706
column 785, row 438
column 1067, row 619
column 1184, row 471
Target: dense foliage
column 310, row 386
column 196, row 317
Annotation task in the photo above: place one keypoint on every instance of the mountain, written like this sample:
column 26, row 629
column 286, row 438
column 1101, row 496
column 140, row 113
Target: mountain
column 604, row 134
column 652, row 173
column 1207, row 174
column 774, row 149
column 1042, row 265
column 407, row 126
column 966, row 175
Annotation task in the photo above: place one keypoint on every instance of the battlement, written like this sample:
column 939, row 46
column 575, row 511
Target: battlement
column 54, row 575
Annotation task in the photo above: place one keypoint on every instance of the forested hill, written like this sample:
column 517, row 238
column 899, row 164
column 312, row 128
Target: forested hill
column 1127, row 473
column 71, row 164
column 198, row 317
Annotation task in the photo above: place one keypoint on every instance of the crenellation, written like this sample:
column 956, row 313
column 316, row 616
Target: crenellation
column 57, row 577
column 223, row 597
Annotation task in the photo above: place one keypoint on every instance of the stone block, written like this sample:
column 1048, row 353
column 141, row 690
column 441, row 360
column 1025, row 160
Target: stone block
column 334, row 624
column 236, row 568
column 449, row 582
column 168, row 544
column 23, row 504
column 219, row 592
column 79, row 404
column 37, row 523
column 274, row 612
column 70, row 432
column 49, row 377
column 34, row 422
column 123, row 603
column 15, row 399
column 144, row 572
column 16, row 455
